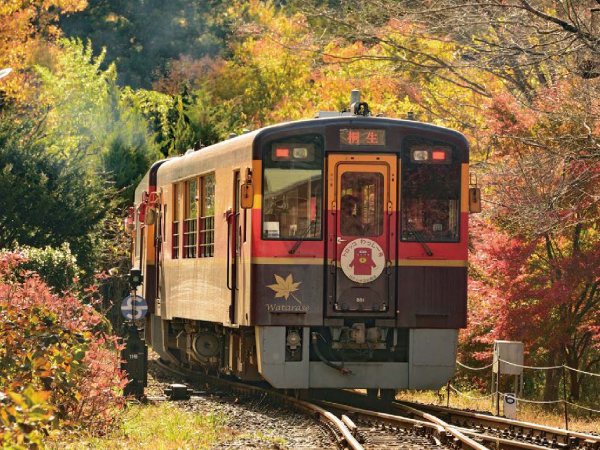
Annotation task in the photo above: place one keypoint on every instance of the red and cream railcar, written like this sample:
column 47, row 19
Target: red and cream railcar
column 326, row 253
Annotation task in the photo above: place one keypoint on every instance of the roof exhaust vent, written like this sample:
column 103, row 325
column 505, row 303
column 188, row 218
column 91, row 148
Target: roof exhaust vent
column 358, row 108
column 354, row 97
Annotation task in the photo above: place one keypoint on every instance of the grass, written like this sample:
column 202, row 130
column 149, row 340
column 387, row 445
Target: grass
column 162, row 426
column 526, row 412
column 263, row 438
column 165, row 426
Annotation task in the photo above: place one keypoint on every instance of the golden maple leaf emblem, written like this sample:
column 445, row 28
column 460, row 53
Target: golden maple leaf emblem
column 285, row 288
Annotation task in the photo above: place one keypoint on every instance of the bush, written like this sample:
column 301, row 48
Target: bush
column 57, row 267
column 59, row 366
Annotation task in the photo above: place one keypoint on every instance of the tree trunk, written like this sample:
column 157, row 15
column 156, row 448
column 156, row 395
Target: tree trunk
column 575, row 387
column 572, row 360
column 552, row 380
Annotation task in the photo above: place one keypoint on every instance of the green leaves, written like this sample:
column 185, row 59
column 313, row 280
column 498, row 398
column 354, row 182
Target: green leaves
column 46, row 200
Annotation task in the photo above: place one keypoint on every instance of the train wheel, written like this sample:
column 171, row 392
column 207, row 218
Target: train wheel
column 372, row 393
column 301, row 394
column 387, row 395
column 298, row 394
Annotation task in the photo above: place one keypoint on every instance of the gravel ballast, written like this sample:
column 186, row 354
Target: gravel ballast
column 250, row 421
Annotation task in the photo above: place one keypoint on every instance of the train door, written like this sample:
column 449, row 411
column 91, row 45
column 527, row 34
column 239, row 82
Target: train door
column 234, row 243
column 361, row 235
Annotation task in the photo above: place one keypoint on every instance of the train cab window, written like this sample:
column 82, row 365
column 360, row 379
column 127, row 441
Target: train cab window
column 190, row 222
column 293, row 189
column 207, row 216
column 430, row 191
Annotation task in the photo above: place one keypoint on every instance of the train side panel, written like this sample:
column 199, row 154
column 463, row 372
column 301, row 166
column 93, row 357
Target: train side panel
column 194, row 287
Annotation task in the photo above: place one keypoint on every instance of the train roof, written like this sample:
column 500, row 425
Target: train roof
column 397, row 130
column 329, row 127
column 357, row 121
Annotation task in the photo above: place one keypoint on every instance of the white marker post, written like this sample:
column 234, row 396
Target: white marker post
column 510, row 406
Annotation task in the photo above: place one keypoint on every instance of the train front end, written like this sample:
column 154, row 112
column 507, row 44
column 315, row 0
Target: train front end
column 359, row 253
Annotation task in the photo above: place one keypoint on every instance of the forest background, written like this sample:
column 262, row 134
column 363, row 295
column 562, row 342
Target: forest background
column 102, row 88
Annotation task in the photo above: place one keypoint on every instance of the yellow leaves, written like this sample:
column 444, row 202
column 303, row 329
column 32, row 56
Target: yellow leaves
column 285, row 288
column 66, row 5
column 39, row 397
column 42, row 366
column 29, row 398
column 26, row 27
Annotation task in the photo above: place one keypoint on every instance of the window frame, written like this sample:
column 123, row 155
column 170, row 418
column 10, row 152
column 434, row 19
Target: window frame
column 175, row 224
column 406, row 161
column 319, row 157
column 192, row 248
column 379, row 212
column 181, row 210
column 202, row 231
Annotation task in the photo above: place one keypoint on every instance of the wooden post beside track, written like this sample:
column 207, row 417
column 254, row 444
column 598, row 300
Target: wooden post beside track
column 498, row 390
column 564, row 376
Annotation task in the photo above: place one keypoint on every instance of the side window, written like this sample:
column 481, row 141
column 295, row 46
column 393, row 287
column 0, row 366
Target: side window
column 194, row 199
column 190, row 222
column 207, row 216
column 175, row 227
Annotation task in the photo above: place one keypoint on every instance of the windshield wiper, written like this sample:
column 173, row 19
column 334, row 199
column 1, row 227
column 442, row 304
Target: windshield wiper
column 419, row 238
column 298, row 243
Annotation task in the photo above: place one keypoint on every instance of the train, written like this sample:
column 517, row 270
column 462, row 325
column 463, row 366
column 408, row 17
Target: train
column 325, row 253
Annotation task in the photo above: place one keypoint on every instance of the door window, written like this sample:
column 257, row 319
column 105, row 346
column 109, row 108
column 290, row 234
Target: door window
column 361, row 205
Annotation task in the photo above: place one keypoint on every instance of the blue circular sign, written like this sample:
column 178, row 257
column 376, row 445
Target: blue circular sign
column 134, row 308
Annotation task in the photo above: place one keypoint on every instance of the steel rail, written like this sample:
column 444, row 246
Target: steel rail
column 362, row 402
column 452, row 430
column 341, row 426
column 498, row 442
column 396, row 421
column 390, row 419
column 506, row 423
column 309, row 408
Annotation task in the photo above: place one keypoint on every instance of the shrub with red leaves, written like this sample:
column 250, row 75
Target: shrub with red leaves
column 59, row 365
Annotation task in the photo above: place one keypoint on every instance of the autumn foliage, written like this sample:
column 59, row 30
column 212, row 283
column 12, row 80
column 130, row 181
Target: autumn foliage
column 59, row 367
column 521, row 82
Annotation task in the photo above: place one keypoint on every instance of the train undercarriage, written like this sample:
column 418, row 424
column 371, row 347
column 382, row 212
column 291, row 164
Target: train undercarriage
column 355, row 355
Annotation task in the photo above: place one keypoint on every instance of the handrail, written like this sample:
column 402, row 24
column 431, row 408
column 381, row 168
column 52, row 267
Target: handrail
column 228, row 217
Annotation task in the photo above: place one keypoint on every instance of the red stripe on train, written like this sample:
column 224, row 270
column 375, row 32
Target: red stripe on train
column 316, row 249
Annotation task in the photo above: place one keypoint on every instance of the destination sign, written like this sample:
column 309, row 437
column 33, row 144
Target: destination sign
column 362, row 136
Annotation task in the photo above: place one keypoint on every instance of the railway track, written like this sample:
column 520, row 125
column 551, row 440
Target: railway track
column 387, row 431
column 467, row 435
column 357, row 422
column 491, row 431
column 541, row 435
column 334, row 424
column 369, row 430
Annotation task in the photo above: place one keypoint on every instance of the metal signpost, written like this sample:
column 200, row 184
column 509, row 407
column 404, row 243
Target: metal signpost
column 134, row 307
column 134, row 357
